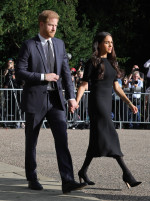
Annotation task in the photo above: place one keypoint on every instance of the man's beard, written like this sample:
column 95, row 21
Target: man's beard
column 51, row 34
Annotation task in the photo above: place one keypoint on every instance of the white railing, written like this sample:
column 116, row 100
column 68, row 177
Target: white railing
column 10, row 111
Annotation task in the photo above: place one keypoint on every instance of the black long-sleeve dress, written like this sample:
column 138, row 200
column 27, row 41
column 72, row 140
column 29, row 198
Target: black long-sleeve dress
column 104, row 139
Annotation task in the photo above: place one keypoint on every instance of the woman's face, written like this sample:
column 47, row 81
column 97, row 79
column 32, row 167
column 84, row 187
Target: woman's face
column 10, row 64
column 106, row 46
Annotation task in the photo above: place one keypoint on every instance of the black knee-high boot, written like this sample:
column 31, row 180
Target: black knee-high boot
column 82, row 173
column 127, row 176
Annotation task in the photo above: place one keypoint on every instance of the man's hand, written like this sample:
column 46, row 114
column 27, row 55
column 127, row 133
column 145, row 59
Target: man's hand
column 72, row 105
column 51, row 77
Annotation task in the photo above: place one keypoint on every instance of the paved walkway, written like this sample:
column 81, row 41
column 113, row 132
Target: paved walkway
column 105, row 172
column 13, row 186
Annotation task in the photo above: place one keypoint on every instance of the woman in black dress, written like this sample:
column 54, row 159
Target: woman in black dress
column 100, row 74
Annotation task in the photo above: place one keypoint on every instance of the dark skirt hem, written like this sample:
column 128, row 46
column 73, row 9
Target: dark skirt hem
column 111, row 156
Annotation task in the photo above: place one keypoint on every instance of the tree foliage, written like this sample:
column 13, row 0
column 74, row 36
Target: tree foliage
column 128, row 22
column 19, row 22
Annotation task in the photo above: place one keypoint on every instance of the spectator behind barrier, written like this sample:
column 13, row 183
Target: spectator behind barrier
column 9, row 74
column 79, row 78
column 147, row 65
column 147, row 104
column 73, row 76
column 117, row 103
column 136, row 85
column 12, row 100
column 136, row 68
column 125, row 83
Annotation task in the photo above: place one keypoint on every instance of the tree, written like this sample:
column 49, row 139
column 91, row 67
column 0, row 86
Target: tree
column 77, row 36
column 19, row 22
column 128, row 22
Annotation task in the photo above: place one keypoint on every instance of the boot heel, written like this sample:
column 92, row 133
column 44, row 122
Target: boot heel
column 130, row 180
column 85, row 178
column 128, row 185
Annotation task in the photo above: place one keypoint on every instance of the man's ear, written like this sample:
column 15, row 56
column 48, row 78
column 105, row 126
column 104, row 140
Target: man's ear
column 41, row 24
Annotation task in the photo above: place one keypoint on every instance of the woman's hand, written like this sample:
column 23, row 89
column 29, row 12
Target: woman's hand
column 77, row 106
column 133, row 108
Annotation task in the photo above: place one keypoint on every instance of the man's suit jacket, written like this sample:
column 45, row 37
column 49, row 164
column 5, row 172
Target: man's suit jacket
column 31, row 64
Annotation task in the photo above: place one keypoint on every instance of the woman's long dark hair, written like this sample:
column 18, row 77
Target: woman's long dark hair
column 96, row 59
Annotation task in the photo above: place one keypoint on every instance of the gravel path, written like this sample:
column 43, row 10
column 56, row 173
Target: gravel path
column 105, row 172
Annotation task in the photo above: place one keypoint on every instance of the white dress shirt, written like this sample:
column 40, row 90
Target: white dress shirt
column 45, row 48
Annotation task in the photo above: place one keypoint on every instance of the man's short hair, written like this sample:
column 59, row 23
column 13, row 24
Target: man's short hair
column 136, row 73
column 47, row 14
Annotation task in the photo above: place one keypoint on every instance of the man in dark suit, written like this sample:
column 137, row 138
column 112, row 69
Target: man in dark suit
column 41, row 63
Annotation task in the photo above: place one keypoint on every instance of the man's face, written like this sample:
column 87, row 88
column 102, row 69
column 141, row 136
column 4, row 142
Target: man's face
column 136, row 77
column 48, row 29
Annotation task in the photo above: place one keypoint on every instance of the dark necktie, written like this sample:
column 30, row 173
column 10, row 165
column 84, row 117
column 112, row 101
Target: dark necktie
column 50, row 65
column 50, row 58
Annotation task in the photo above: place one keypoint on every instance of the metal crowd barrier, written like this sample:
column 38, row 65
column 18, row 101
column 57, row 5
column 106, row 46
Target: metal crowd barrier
column 11, row 114
column 122, row 112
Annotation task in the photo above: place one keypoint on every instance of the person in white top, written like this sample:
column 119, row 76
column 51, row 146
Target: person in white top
column 147, row 65
column 137, row 86
column 147, row 104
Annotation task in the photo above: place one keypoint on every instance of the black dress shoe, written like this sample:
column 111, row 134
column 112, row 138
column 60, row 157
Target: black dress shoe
column 72, row 186
column 35, row 185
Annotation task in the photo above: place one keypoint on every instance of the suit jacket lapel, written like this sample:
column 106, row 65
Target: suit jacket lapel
column 41, row 52
column 55, row 53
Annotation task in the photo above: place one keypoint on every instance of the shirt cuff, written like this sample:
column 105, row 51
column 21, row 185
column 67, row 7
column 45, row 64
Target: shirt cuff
column 42, row 77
